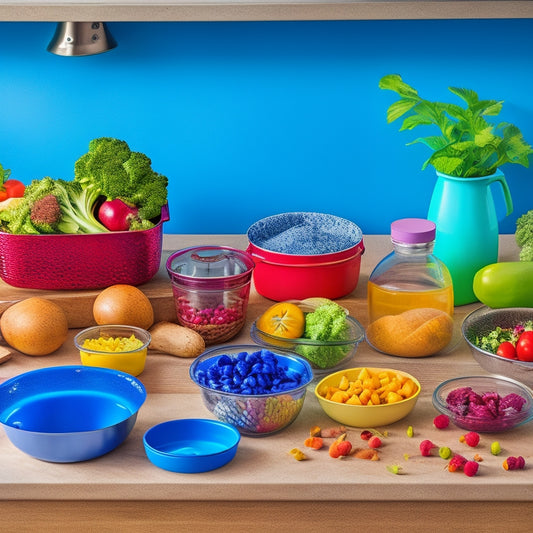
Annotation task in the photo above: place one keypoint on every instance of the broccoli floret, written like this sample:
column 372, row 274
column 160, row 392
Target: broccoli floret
column 524, row 236
column 326, row 323
column 111, row 168
column 54, row 206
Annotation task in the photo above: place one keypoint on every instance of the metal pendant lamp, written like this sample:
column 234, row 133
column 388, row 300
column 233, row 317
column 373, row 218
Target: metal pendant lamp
column 81, row 39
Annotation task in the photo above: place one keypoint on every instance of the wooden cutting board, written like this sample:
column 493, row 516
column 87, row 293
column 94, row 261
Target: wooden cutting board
column 78, row 305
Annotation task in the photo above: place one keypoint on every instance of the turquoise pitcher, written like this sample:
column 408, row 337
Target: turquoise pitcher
column 467, row 227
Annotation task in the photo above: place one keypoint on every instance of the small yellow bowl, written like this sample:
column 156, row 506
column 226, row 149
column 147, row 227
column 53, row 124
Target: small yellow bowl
column 364, row 416
column 129, row 361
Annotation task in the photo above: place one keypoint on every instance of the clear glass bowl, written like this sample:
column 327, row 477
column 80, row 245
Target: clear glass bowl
column 337, row 353
column 482, row 321
column 253, row 414
column 502, row 419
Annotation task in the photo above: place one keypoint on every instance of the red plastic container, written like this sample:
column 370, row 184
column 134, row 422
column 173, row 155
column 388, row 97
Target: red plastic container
column 86, row 261
column 288, row 276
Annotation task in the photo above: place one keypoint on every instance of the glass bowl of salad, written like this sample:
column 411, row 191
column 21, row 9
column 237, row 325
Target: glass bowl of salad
column 501, row 341
column 485, row 404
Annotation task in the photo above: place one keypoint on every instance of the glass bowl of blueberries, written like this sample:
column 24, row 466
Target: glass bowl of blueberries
column 255, row 389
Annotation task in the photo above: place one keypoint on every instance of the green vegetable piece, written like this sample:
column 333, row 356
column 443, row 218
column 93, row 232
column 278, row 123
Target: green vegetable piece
column 495, row 448
column 111, row 169
column 326, row 323
column 394, row 469
column 53, row 206
column 505, row 284
column 524, row 236
column 445, row 452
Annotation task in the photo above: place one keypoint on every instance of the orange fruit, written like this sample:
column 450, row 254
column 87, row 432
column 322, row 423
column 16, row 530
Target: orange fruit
column 283, row 319
column 125, row 305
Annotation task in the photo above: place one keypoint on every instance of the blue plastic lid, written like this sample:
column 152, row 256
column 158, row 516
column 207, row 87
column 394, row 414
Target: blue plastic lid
column 413, row 230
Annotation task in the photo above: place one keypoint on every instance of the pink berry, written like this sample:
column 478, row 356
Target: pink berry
column 426, row 446
column 471, row 438
column 470, row 468
column 374, row 442
column 441, row 421
column 457, row 462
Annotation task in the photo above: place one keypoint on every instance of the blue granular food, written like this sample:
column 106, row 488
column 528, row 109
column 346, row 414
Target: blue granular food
column 247, row 373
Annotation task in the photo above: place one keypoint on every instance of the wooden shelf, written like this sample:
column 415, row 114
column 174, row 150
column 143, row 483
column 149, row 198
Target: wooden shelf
column 258, row 10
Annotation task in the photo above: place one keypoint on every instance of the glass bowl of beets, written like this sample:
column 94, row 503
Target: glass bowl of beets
column 485, row 404
column 256, row 390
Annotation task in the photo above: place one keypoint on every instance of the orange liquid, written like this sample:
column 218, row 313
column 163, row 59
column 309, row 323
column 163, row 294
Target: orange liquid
column 392, row 302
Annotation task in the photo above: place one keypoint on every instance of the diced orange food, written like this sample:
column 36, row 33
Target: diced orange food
column 371, row 388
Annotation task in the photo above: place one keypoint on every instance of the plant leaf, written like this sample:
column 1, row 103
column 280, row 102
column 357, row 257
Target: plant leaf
column 394, row 82
column 435, row 142
column 399, row 108
column 485, row 137
column 488, row 107
column 468, row 95
column 446, row 165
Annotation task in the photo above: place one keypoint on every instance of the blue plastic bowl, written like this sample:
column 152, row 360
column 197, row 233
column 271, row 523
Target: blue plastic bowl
column 66, row 414
column 191, row 445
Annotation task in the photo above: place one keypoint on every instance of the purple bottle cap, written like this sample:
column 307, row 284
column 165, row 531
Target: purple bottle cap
column 413, row 230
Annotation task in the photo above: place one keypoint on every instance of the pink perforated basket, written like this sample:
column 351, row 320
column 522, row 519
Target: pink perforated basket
column 87, row 261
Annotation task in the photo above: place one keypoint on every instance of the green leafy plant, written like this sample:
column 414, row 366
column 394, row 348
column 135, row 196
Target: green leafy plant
column 469, row 146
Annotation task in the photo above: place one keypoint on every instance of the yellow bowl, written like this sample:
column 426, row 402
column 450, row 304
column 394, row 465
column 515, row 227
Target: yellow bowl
column 364, row 416
column 130, row 361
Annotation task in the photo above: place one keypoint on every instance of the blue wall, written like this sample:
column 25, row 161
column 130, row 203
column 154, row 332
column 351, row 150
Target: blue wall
column 253, row 119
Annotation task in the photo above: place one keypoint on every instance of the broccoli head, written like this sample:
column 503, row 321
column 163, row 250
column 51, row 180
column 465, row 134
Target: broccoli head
column 524, row 236
column 112, row 169
column 326, row 323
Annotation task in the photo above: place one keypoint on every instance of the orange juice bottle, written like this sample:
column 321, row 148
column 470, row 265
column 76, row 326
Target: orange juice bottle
column 410, row 279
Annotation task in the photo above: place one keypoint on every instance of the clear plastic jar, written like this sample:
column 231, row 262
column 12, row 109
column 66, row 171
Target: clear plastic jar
column 211, row 287
column 410, row 294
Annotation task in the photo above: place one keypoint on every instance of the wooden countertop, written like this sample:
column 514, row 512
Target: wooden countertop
column 263, row 478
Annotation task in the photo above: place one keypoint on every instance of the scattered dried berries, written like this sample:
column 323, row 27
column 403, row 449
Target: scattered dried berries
column 366, row 434
column 471, row 439
column 457, row 462
column 426, row 447
column 514, row 463
column 394, row 469
column 314, row 442
column 445, row 452
column 495, row 448
column 374, row 442
column 328, row 433
column 470, row 468
column 340, row 447
column 441, row 421
column 298, row 454
column 366, row 453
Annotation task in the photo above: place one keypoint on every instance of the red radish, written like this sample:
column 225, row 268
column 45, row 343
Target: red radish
column 117, row 215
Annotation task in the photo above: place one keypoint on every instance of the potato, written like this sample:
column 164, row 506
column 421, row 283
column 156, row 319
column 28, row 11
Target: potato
column 177, row 340
column 413, row 333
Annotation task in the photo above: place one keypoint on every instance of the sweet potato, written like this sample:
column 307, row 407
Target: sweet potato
column 173, row 339
column 413, row 333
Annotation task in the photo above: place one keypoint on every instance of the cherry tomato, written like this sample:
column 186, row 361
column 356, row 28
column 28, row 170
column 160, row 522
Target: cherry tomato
column 506, row 349
column 524, row 346
column 11, row 189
